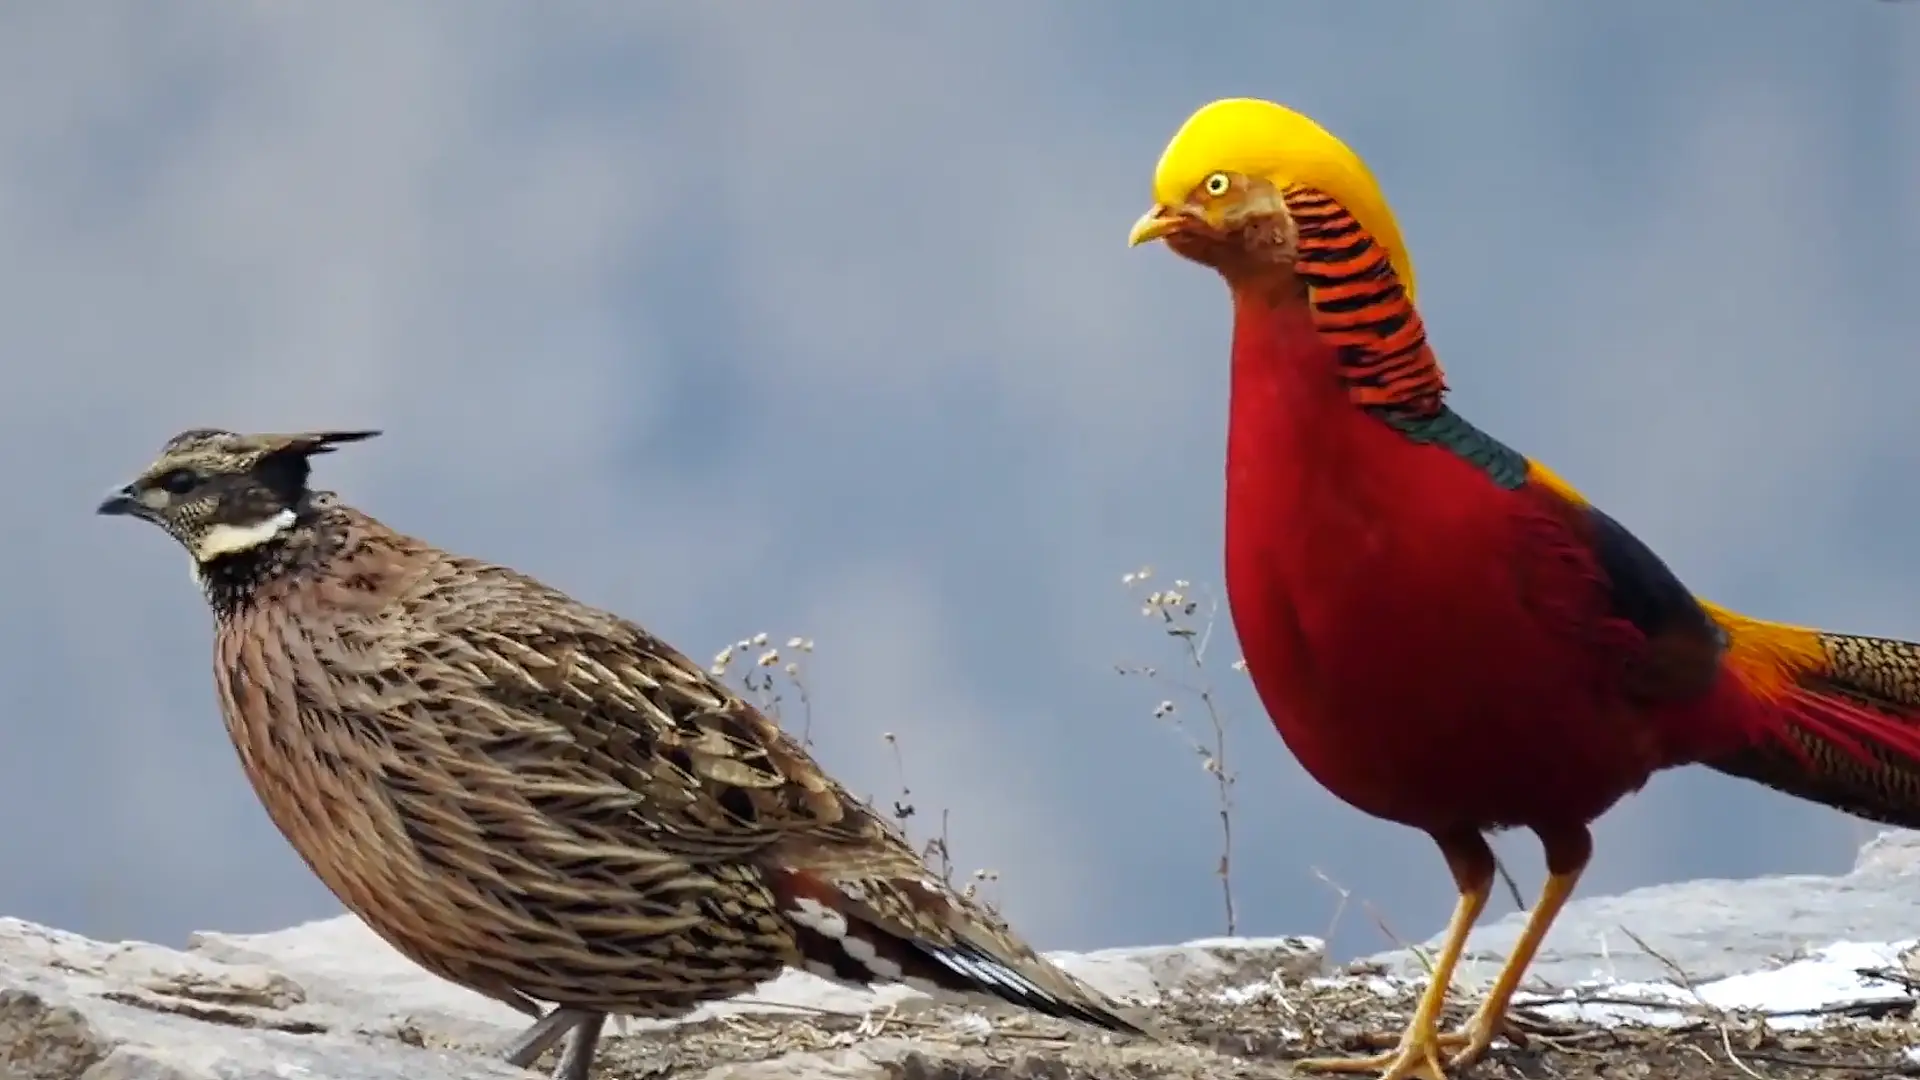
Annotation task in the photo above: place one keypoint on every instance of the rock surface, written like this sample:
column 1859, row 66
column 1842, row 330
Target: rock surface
column 329, row 1001
column 1710, row 929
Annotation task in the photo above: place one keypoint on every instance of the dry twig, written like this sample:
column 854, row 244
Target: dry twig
column 1191, row 622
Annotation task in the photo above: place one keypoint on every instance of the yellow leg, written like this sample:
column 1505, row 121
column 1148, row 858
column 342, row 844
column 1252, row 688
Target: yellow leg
column 1567, row 855
column 1418, row 1056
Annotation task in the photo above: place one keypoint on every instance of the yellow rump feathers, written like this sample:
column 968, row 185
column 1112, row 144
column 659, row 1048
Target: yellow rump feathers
column 1769, row 657
column 1270, row 141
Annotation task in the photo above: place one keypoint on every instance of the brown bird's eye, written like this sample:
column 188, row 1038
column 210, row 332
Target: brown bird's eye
column 177, row 481
column 1218, row 183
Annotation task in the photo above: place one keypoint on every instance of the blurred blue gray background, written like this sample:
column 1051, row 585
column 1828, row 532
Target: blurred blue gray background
column 818, row 319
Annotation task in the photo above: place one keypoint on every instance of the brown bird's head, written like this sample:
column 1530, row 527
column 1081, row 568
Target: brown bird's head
column 222, row 494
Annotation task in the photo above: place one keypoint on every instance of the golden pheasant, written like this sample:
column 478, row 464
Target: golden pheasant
column 1445, row 633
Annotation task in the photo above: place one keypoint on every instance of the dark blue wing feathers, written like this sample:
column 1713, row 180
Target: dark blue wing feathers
column 1645, row 592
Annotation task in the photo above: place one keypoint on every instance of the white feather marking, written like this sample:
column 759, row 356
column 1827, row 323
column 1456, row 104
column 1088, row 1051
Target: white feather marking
column 816, row 916
column 962, row 966
column 990, row 974
column 234, row 539
column 860, row 949
column 883, row 969
column 821, row 970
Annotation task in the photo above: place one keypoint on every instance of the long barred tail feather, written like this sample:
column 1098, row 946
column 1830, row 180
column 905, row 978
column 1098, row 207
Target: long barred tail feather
column 916, row 932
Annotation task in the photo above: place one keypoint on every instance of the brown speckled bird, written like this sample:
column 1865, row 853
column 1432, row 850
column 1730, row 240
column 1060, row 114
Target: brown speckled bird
column 534, row 798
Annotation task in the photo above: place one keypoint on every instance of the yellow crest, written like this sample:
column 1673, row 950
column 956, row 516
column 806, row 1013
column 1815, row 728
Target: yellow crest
column 1271, row 141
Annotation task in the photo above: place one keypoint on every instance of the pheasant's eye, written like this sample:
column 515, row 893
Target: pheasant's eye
column 177, row 481
column 1218, row 183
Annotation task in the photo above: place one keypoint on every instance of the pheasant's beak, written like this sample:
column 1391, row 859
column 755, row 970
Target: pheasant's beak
column 1160, row 222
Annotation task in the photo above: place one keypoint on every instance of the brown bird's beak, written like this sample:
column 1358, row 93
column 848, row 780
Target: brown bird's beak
column 120, row 502
column 1158, row 223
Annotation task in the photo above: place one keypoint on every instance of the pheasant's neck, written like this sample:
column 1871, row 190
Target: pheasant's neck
column 1312, row 476
column 1291, row 419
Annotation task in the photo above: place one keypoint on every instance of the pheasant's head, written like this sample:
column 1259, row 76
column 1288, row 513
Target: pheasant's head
column 221, row 494
column 1221, row 190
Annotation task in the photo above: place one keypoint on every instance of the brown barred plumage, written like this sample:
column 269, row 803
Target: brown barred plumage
column 534, row 798
column 1360, row 307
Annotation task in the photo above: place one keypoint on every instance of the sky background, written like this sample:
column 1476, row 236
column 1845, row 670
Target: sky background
column 819, row 320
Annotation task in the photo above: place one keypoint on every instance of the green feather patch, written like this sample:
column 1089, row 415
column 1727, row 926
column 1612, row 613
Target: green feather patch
column 1507, row 466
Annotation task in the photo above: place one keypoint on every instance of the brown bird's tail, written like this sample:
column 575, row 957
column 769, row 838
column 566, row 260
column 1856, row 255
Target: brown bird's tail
column 1846, row 714
column 864, row 926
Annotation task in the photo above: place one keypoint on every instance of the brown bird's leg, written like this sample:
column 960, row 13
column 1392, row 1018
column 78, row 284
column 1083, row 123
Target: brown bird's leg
column 576, row 1062
column 540, row 1037
column 1421, row 1044
column 1568, row 850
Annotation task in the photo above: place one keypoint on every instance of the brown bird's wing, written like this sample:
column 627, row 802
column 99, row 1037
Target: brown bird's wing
column 516, row 791
column 1879, row 779
column 606, row 723
column 615, row 738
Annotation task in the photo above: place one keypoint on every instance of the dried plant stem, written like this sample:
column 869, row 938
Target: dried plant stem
column 806, row 706
column 1196, row 648
column 1177, row 613
column 1222, row 778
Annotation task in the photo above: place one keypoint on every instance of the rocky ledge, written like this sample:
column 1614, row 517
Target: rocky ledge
column 1780, row 977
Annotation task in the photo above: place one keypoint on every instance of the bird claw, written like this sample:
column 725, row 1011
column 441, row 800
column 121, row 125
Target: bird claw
column 1412, row 1058
column 1469, row 1047
column 1407, row 1063
column 1477, row 1038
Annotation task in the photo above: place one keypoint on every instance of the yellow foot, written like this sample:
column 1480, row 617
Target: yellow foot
column 1477, row 1037
column 1416, row 1058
